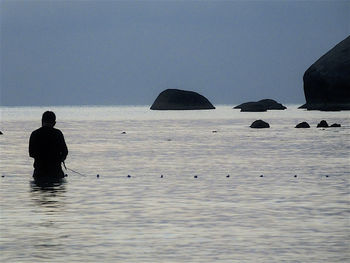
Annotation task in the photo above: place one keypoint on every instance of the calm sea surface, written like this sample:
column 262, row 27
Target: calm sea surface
column 179, row 218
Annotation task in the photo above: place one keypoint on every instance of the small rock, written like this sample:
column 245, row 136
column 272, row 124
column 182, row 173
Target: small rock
column 335, row 125
column 129, row 175
column 322, row 124
column 123, row 132
column 295, row 176
column 214, row 131
column 98, row 176
column 262, row 175
column 303, row 124
column 195, row 176
column 161, row 176
column 259, row 124
column 1, row 133
column 227, row 176
column 2, row 176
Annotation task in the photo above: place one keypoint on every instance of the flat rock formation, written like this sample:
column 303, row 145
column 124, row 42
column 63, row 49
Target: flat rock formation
column 259, row 124
column 303, row 124
column 335, row 125
column 327, row 81
column 174, row 99
column 260, row 106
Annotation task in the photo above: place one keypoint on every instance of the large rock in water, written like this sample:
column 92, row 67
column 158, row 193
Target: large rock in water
column 174, row 99
column 327, row 81
column 261, row 105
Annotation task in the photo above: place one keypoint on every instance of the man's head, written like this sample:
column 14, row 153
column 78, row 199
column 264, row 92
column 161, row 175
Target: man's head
column 48, row 119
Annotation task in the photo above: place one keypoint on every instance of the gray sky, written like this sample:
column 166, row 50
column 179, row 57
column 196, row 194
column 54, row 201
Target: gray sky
column 126, row 52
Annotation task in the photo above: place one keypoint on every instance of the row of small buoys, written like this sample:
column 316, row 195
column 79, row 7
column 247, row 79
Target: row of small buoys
column 162, row 176
column 196, row 176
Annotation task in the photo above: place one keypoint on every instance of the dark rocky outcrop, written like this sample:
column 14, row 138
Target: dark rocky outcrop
column 0, row 133
column 251, row 107
column 174, row 99
column 322, row 124
column 260, row 106
column 259, row 124
column 327, row 81
column 335, row 125
column 303, row 124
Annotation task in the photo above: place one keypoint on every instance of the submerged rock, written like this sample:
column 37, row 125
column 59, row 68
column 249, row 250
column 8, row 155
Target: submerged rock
column 174, row 99
column 260, row 106
column 327, row 81
column 259, row 124
column 322, row 124
column 303, row 124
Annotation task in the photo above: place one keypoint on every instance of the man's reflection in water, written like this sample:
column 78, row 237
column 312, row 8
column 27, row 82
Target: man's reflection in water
column 50, row 215
column 48, row 194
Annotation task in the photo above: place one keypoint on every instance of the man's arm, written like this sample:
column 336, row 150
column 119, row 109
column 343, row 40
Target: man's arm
column 32, row 146
column 63, row 148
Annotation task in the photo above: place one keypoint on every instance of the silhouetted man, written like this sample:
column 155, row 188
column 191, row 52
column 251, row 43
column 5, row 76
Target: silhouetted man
column 48, row 148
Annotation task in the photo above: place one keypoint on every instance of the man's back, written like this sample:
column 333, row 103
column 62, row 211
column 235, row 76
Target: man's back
column 48, row 148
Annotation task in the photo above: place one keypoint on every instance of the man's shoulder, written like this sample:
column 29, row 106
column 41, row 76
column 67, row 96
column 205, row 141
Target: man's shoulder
column 36, row 131
column 46, row 130
column 57, row 131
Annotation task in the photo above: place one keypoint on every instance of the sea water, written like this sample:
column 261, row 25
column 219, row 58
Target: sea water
column 261, row 195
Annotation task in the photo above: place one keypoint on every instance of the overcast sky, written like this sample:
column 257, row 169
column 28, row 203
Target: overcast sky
column 127, row 52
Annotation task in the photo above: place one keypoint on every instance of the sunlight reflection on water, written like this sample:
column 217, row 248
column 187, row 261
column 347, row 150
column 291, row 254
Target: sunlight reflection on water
column 179, row 218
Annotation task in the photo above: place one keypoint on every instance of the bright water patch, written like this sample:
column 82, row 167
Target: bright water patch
column 179, row 218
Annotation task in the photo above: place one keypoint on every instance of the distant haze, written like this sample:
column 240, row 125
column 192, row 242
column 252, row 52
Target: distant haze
column 127, row 52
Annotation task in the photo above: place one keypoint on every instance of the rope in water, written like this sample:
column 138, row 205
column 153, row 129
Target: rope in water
column 68, row 169
column 161, row 176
